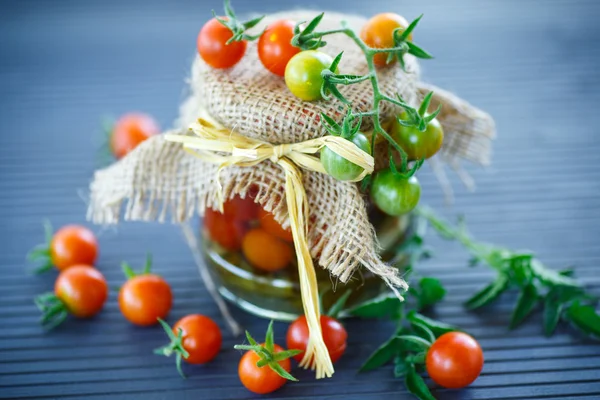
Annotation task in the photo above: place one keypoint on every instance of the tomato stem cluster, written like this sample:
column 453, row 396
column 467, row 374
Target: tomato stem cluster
column 130, row 273
column 175, row 346
column 54, row 311
column 41, row 253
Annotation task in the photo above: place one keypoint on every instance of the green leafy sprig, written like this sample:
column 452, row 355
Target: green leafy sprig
column 562, row 297
column 174, row 346
column 54, row 311
column 237, row 27
column 130, row 273
column 266, row 352
column 41, row 254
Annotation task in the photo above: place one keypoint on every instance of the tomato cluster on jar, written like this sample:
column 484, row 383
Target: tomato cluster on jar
column 244, row 225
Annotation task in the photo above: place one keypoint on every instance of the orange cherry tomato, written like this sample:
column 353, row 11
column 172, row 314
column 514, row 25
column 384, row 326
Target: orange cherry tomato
column 82, row 289
column 71, row 245
column 225, row 231
column 261, row 380
column 131, row 130
column 201, row 338
column 265, row 251
column 241, row 209
column 213, row 47
column 378, row 33
column 275, row 48
column 334, row 336
column 454, row 360
column 269, row 224
column 145, row 298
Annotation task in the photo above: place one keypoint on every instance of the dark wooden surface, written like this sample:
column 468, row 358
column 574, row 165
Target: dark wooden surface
column 64, row 64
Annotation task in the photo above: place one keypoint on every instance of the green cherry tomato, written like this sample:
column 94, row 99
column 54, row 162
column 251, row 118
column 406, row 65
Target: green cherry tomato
column 340, row 168
column 393, row 194
column 418, row 144
column 303, row 74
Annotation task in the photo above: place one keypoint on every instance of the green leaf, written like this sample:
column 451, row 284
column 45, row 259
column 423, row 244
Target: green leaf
column 400, row 367
column 383, row 306
column 551, row 277
column 417, row 51
column 431, row 291
column 127, row 270
column 552, row 311
column 423, row 331
column 585, row 318
column 148, row 264
column 336, row 62
column 283, row 355
column 438, row 328
column 251, row 339
column 411, row 27
column 425, row 104
column 382, row 355
column 282, row 372
column 527, row 300
column 416, row 385
column 312, row 25
column 488, row 293
column 338, row 306
column 414, row 343
column 269, row 343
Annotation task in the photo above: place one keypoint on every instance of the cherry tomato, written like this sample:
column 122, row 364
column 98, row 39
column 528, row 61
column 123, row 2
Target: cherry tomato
column 71, row 245
column 419, row 144
column 213, row 47
column 265, row 251
column 269, row 224
column 224, row 230
column 82, row 289
column 275, row 48
column 340, row 168
column 201, row 338
column 334, row 336
column 131, row 130
column 454, row 360
column 241, row 209
column 395, row 195
column 261, row 380
column 145, row 298
column 303, row 74
column 378, row 33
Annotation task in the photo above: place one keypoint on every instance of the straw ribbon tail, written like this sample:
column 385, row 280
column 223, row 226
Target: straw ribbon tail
column 316, row 355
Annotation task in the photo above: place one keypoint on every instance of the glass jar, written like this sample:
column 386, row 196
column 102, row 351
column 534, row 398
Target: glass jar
column 251, row 258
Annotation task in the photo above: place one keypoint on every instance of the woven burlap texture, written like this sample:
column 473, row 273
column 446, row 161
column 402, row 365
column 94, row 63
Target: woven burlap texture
column 159, row 178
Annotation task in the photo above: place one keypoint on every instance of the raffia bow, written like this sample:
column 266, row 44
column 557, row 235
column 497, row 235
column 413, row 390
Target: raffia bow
column 215, row 144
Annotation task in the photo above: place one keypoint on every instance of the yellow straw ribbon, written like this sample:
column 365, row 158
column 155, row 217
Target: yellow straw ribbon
column 213, row 143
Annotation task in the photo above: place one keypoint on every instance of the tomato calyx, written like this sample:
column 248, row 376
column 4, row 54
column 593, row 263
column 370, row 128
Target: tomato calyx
column 267, row 354
column 130, row 273
column 41, row 253
column 54, row 311
column 237, row 28
column 175, row 346
column 419, row 118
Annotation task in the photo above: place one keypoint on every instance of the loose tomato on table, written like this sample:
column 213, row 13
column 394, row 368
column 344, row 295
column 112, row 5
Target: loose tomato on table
column 129, row 131
column 265, row 367
column 80, row 290
column 418, row 145
column 378, row 33
column 213, row 47
column 454, row 360
column 70, row 245
column 394, row 194
column 268, row 223
column 334, row 336
column 275, row 48
column 303, row 74
column 340, row 168
column 144, row 297
column 265, row 251
column 195, row 338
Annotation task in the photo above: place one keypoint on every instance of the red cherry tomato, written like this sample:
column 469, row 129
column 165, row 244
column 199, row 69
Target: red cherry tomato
column 275, row 48
column 241, row 209
column 201, row 338
column 225, row 231
column 129, row 131
column 334, row 336
column 261, row 380
column 71, row 245
column 213, row 47
column 454, row 360
column 269, row 224
column 378, row 33
column 145, row 298
column 82, row 289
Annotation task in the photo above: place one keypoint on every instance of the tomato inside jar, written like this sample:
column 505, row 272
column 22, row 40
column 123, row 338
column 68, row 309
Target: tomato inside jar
column 251, row 258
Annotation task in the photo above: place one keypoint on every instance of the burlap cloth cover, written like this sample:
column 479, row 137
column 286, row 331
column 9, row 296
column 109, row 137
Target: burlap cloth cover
column 158, row 178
